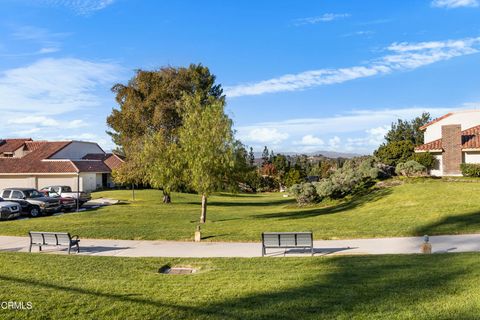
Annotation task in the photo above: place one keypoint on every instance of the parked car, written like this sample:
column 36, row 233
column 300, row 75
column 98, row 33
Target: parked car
column 67, row 204
column 32, row 201
column 66, row 192
column 9, row 210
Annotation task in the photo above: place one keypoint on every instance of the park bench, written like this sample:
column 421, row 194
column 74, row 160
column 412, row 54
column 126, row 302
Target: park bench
column 41, row 239
column 287, row 240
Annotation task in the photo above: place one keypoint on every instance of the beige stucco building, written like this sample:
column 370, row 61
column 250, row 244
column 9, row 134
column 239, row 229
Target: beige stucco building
column 453, row 139
column 36, row 164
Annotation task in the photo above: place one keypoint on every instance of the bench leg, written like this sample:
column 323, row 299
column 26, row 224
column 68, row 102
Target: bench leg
column 69, row 248
column 78, row 248
column 312, row 251
column 264, row 252
column 39, row 248
column 30, row 248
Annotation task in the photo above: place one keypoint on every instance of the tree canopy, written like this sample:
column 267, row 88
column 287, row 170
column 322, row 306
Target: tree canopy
column 149, row 102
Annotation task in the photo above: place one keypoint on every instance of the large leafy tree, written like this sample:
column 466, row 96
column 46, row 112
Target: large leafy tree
column 164, row 164
column 401, row 140
column 145, row 126
column 208, row 146
column 149, row 103
column 404, row 130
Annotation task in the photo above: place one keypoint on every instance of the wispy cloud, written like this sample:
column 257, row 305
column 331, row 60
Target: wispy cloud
column 48, row 42
column 454, row 3
column 81, row 7
column 55, row 86
column 403, row 56
column 358, row 131
column 327, row 17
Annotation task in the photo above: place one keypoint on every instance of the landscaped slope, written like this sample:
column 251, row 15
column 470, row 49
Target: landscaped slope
column 441, row 286
column 425, row 207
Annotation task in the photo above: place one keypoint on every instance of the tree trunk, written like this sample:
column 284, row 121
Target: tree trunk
column 203, row 217
column 167, row 198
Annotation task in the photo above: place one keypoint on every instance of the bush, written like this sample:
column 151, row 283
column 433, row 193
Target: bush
column 425, row 158
column 267, row 184
column 395, row 152
column 470, row 169
column 354, row 176
column 411, row 169
column 308, row 194
column 304, row 193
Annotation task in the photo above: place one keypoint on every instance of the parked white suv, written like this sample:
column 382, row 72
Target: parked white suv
column 9, row 210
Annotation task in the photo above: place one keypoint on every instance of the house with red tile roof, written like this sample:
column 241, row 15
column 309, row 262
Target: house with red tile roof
column 37, row 164
column 453, row 139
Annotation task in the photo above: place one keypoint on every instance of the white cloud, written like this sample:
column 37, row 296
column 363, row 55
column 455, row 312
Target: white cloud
column 265, row 135
column 359, row 131
column 327, row 17
column 49, row 41
column 334, row 142
column 55, row 86
column 454, row 3
column 37, row 120
column 81, row 7
column 404, row 56
column 310, row 140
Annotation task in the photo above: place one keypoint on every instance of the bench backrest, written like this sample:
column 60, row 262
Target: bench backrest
column 50, row 238
column 287, row 239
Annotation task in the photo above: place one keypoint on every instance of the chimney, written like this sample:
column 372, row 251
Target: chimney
column 452, row 149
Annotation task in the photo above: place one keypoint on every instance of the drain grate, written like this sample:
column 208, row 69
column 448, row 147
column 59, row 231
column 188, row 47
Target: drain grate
column 176, row 270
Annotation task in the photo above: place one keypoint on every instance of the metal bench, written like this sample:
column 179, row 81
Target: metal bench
column 287, row 240
column 41, row 239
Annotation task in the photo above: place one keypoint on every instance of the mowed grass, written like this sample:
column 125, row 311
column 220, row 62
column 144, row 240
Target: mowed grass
column 440, row 286
column 425, row 207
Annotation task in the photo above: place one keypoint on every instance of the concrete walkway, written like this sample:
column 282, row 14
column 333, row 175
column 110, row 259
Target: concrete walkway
column 143, row 248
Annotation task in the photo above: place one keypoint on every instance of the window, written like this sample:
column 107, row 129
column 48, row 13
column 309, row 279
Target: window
column 17, row 195
column 6, row 194
column 33, row 194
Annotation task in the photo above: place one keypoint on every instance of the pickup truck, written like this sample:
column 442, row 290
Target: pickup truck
column 66, row 192
column 9, row 210
column 32, row 201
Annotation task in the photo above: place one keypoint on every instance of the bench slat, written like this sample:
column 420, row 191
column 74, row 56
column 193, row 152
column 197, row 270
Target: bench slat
column 287, row 240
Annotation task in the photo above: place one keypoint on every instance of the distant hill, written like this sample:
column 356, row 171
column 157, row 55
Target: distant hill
column 327, row 154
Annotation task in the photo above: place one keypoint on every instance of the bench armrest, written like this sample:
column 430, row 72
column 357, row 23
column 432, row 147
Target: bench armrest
column 75, row 238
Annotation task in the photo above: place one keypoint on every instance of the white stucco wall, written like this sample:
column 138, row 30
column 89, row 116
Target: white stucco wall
column 467, row 119
column 437, row 169
column 67, row 180
column 471, row 157
column 77, row 150
column 88, row 182
column 17, row 182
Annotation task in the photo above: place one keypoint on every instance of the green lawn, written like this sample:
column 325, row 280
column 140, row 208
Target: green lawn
column 440, row 286
column 425, row 207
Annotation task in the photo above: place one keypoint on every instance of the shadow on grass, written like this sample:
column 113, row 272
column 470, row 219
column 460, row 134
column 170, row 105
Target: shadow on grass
column 352, row 203
column 456, row 224
column 341, row 287
column 355, row 287
column 270, row 203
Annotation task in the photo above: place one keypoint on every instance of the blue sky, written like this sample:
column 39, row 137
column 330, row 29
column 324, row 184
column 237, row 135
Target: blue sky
column 299, row 75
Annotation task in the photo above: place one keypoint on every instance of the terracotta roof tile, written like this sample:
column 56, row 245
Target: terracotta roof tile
column 470, row 140
column 10, row 145
column 36, row 159
column 112, row 160
column 91, row 166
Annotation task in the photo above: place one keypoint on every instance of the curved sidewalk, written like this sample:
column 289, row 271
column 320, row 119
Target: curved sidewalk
column 144, row 248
